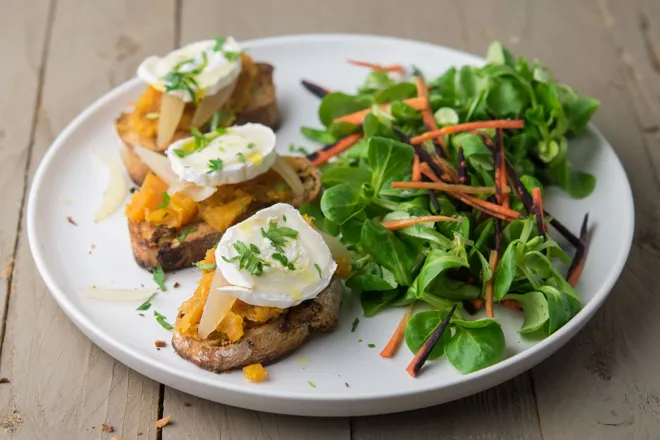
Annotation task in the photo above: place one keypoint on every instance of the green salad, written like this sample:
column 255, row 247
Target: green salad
column 435, row 187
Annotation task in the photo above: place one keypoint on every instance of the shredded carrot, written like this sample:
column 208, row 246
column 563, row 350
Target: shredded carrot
column 489, row 208
column 427, row 116
column 357, row 118
column 378, row 67
column 423, row 353
column 465, row 189
column 416, row 172
column 538, row 210
column 468, row 126
column 343, row 144
column 477, row 304
column 511, row 304
column 394, row 225
column 397, row 337
column 577, row 264
column 492, row 261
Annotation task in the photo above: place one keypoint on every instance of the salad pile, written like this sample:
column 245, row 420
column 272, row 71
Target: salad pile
column 436, row 189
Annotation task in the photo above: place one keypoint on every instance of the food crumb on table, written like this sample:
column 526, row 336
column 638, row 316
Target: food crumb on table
column 187, row 404
column 162, row 422
column 107, row 428
column 4, row 380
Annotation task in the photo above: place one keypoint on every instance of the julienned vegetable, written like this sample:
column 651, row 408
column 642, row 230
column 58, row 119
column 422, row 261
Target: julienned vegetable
column 481, row 161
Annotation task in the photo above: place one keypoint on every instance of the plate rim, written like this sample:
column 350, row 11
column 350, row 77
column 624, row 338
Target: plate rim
column 171, row 375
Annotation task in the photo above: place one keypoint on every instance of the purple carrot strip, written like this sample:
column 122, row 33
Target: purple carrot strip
column 314, row 89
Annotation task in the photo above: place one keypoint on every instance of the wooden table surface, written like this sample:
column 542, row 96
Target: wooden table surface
column 57, row 56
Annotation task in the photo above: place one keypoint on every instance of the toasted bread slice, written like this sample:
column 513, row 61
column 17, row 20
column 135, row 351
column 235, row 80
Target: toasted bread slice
column 268, row 342
column 262, row 109
column 154, row 245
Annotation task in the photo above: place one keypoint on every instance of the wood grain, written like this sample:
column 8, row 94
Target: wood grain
column 63, row 386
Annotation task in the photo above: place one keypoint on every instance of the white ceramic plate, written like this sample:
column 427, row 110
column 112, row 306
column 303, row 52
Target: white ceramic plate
column 71, row 180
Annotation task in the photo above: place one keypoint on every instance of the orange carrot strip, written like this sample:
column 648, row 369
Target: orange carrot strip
column 397, row 337
column 577, row 264
column 394, row 225
column 511, row 304
column 378, row 67
column 489, row 208
column 450, row 129
column 538, row 210
column 427, row 116
column 477, row 304
column 492, row 261
column 465, row 189
column 357, row 118
column 342, row 145
column 416, row 172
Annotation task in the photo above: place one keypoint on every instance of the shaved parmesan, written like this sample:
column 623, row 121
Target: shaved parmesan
column 337, row 248
column 121, row 295
column 115, row 192
column 171, row 110
column 210, row 104
column 286, row 171
column 157, row 163
column 218, row 304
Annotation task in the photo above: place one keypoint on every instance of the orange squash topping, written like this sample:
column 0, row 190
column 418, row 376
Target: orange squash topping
column 232, row 327
column 255, row 373
column 146, row 199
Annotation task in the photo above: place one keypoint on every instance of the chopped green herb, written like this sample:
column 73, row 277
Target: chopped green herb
column 247, row 259
column 152, row 115
column 145, row 305
column 159, row 277
column 318, row 269
column 251, row 145
column 301, row 150
column 214, row 165
column 176, row 80
column 205, row 266
column 359, row 340
column 311, row 384
column 232, row 56
column 219, row 42
column 254, row 248
column 217, row 118
column 354, row 326
column 165, row 202
column 241, row 157
column 184, row 233
column 163, row 321
column 284, row 261
column 371, row 345
column 280, row 186
column 278, row 235
column 200, row 140
column 284, row 218
column 166, row 214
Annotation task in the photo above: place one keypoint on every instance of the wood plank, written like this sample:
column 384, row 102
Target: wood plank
column 604, row 384
column 63, row 386
column 22, row 40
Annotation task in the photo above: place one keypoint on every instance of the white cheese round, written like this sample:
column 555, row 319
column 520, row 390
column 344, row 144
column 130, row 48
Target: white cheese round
column 219, row 68
column 231, row 155
column 309, row 264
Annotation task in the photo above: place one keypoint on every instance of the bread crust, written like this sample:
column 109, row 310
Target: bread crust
column 158, row 245
column 262, row 109
column 268, row 342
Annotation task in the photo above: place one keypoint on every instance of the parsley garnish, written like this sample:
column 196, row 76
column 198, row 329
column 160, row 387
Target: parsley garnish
column 254, row 249
column 214, row 165
column 355, row 324
column 284, row 218
column 145, row 305
column 311, row 384
column 165, row 215
column 232, row 56
column 247, row 259
column 301, row 150
column 251, row 145
column 241, row 157
column 184, row 233
column 162, row 321
column 219, row 42
column 277, row 235
column 318, row 269
column 205, row 266
column 280, row 186
column 284, row 261
column 218, row 117
column 165, row 202
column 371, row 345
column 200, row 141
column 176, row 80
column 159, row 277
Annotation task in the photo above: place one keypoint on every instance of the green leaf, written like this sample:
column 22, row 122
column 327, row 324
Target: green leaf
column 506, row 98
column 388, row 251
column 355, row 176
column 466, row 87
column 396, row 92
column 338, row 104
column 445, row 85
column 341, row 203
column 278, row 235
column 313, row 210
column 506, row 271
column 475, row 345
column 145, row 305
column 535, row 307
column 339, row 130
column 320, row 136
column 456, row 290
column 159, row 277
column 373, row 126
column 446, row 116
column 437, row 261
column 420, row 327
column 374, row 301
column 387, row 158
column 351, row 231
column 184, row 233
column 580, row 112
column 404, row 113
column 163, row 321
column 561, row 307
column 498, row 54
column 371, row 282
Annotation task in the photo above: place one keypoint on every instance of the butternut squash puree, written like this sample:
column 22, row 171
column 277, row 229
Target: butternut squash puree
column 144, row 117
column 232, row 327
